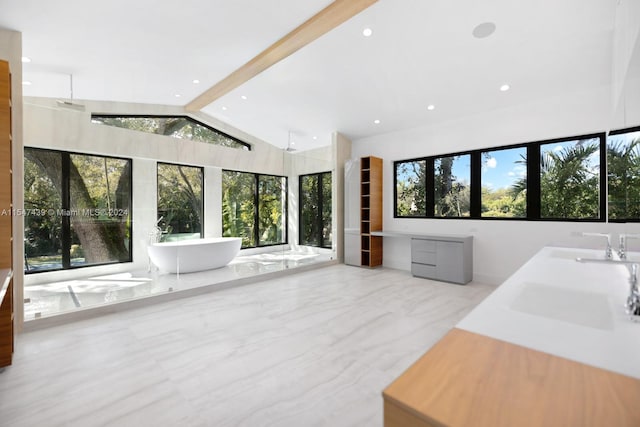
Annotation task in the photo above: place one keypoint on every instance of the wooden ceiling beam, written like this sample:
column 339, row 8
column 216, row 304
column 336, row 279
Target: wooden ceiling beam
column 321, row 23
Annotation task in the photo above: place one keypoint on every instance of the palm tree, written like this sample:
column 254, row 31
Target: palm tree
column 569, row 181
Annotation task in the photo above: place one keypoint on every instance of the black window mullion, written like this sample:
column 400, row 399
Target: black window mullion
column 319, row 222
column 430, row 186
column 66, row 207
column 256, row 211
column 604, row 173
column 476, row 185
column 533, row 181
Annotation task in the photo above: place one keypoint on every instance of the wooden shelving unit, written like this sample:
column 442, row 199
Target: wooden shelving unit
column 6, row 219
column 370, row 211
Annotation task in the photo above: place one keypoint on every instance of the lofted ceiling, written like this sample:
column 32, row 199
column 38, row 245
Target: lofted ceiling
column 421, row 53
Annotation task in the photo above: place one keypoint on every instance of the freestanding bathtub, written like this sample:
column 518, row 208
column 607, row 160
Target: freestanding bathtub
column 187, row 256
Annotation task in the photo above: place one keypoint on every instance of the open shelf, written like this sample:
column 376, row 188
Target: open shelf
column 370, row 211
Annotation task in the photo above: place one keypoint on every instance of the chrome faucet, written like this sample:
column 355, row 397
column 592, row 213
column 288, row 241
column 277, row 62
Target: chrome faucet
column 608, row 253
column 622, row 246
column 633, row 301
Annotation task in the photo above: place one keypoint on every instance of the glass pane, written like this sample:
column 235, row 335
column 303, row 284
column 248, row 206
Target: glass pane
column 238, row 207
column 327, row 238
column 271, row 208
column 411, row 188
column 309, row 208
column 504, row 183
column 180, row 201
column 623, row 165
column 43, row 204
column 452, row 190
column 177, row 127
column 100, row 194
column 570, row 179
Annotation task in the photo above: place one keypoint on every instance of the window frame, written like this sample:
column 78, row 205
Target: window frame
column 533, row 181
column 169, row 116
column 612, row 133
column 203, row 191
column 256, row 203
column 65, row 198
column 319, row 222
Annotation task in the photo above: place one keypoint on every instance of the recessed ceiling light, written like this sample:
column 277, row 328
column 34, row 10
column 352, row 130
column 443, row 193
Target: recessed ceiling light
column 26, row 83
column 367, row 32
column 505, row 88
column 244, row 97
column 431, row 107
column 196, row 81
column 484, row 30
column 315, row 138
column 376, row 121
column 26, row 59
column 224, row 108
column 177, row 95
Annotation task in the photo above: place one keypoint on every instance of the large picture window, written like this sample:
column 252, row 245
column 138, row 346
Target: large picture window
column 77, row 210
column 411, row 188
column 452, row 186
column 180, row 201
column 315, row 210
column 504, row 183
column 623, row 168
column 254, row 208
column 570, row 179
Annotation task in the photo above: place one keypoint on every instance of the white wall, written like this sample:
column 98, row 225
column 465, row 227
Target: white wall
column 500, row 247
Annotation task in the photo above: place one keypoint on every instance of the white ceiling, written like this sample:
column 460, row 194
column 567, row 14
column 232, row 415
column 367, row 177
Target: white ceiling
column 421, row 52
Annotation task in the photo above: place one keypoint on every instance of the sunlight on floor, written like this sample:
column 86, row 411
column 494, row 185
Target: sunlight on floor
column 54, row 298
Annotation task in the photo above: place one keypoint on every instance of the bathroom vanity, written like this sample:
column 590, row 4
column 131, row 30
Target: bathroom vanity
column 551, row 346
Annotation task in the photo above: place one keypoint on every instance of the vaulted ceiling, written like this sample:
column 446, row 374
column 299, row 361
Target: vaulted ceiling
column 420, row 53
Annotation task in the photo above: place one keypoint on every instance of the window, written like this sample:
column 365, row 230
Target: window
column 254, row 208
column 562, row 183
column 272, row 196
column 411, row 187
column 570, row 179
column 623, row 167
column 78, row 210
column 504, row 183
column 452, row 186
column 315, row 210
column 182, row 127
column 180, row 201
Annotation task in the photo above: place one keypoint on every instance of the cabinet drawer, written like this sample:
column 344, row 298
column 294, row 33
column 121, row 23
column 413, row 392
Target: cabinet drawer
column 423, row 245
column 424, row 257
column 422, row 270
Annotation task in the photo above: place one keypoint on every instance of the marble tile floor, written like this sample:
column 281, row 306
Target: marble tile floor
column 55, row 298
column 314, row 348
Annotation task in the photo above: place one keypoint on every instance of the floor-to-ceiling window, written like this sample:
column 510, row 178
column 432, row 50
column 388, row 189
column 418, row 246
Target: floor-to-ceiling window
column 254, row 208
column 77, row 210
column 315, row 210
column 180, row 201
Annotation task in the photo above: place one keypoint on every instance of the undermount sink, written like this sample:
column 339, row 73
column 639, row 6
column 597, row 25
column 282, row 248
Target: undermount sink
column 581, row 308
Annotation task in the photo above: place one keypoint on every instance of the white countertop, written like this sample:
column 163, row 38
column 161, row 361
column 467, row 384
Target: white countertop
column 565, row 308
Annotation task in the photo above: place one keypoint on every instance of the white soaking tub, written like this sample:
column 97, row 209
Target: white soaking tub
column 187, row 256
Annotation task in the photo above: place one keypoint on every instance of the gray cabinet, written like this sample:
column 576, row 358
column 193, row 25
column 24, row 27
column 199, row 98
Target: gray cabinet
column 446, row 258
